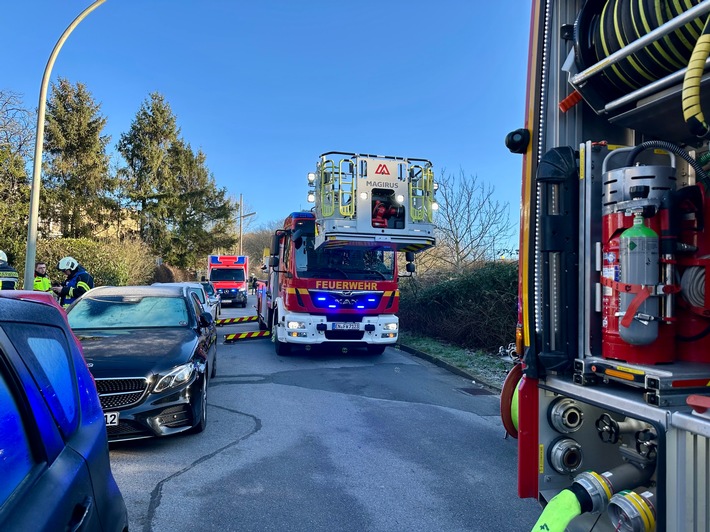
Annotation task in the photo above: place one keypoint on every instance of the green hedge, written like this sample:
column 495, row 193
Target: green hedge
column 110, row 262
column 476, row 309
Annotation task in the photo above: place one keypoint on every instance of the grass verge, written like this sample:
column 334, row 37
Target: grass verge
column 488, row 368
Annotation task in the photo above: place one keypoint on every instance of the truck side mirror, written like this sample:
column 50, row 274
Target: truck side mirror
column 409, row 256
column 275, row 241
column 411, row 267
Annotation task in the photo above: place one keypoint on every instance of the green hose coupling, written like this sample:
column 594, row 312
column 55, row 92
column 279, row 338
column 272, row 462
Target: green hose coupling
column 558, row 513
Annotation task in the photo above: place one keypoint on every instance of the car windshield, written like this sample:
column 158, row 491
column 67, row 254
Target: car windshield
column 117, row 312
column 200, row 294
column 208, row 288
column 227, row 274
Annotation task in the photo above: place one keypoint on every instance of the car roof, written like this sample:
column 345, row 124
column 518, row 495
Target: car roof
column 14, row 308
column 138, row 290
column 191, row 284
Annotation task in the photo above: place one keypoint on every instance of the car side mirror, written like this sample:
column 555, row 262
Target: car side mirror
column 206, row 319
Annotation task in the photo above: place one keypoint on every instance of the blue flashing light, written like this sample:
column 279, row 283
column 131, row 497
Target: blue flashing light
column 361, row 306
column 331, row 306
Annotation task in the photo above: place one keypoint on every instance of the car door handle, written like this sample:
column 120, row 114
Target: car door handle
column 80, row 514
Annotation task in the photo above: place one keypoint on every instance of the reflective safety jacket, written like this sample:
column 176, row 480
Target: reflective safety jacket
column 8, row 276
column 42, row 283
column 76, row 285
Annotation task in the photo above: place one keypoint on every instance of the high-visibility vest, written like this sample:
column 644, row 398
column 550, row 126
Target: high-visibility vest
column 42, row 283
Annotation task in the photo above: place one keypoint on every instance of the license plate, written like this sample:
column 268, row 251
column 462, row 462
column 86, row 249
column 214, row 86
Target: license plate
column 226, row 301
column 340, row 326
column 111, row 419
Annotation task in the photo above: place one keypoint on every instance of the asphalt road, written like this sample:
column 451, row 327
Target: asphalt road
column 328, row 442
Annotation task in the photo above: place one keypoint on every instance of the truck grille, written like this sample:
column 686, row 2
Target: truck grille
column 121, row 393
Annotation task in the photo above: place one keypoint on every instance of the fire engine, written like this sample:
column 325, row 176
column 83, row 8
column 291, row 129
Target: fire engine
column 333, row 271
column 610, row 400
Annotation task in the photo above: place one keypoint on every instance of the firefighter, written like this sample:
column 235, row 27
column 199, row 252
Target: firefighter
column 42, row 282
column 77, row 283
column 8, row 274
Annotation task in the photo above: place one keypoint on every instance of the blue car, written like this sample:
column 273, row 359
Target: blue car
column 54, row 461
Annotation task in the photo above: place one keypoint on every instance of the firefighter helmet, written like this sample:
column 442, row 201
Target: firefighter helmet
column 67, row 263
column 3, row 256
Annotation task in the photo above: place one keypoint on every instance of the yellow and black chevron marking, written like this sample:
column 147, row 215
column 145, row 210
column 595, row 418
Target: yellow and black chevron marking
column 229, row 338
column 227, row 321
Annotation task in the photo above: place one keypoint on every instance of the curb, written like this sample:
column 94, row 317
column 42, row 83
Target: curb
column 495, row 388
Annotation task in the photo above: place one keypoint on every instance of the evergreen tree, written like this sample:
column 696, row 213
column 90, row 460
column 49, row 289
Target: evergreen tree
column 147, row 177
column 200, row 217
column 76, row 177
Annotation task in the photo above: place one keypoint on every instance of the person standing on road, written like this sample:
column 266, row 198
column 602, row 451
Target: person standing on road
column 8, row 274
column 42, row 282
column 77, row 283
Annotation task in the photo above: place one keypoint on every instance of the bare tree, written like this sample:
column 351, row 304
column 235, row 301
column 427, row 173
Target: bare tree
column 17, row 136
column 256, row 241
column 471, row 225
column 16, row 144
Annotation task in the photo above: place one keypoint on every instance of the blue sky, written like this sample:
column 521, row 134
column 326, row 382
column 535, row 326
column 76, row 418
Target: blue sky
column 264, row 87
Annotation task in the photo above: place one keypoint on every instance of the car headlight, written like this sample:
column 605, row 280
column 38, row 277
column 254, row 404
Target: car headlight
column 177, row 377
column 295, row 325
column 390, row 326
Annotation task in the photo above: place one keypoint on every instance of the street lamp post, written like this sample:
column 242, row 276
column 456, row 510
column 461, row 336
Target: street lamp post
column 39, row 141
column 241, row 220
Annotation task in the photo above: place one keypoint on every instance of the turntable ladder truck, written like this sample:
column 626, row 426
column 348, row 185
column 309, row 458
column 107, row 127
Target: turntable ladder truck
column 333, row 271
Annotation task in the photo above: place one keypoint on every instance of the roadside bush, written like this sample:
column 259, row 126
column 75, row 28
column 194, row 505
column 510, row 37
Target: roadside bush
column 110, row 262
column 475, row 309
column 170, row 274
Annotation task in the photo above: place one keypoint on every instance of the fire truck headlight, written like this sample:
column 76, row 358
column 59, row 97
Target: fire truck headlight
column 363, row 195
column 390, row 326
column 295, row 325
column 311, row 198
column 400, row 198
column 434, row 206
column 311, row 178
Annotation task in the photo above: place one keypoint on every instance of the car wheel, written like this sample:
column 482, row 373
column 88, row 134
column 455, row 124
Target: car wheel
column 202, row 423
column 282, row 348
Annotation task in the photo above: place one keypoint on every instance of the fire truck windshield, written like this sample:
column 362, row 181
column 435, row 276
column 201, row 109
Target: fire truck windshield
column 362, row 262
column 227, row 274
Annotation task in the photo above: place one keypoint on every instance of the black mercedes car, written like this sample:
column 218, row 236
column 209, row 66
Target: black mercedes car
column 152, row 351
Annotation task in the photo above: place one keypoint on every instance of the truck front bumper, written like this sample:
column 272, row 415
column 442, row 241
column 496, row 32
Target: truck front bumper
column 306, row 329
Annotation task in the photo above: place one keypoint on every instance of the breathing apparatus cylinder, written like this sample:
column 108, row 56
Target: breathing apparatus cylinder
column 639, row 266
column 632, row 188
